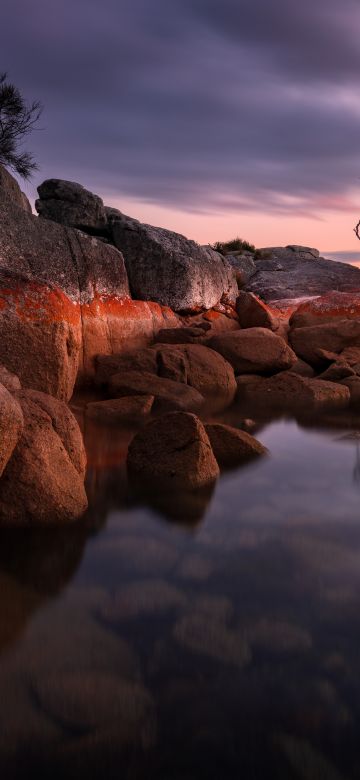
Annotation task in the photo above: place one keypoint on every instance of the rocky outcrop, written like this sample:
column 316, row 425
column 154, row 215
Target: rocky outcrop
column 244, row 266
column 168, row 268
column 254, row 350
column 10, row 192
column 11, row 426
column 174, row 448
column 294, row 272
column 231, row 446
column 71, row 204
column 43, row 482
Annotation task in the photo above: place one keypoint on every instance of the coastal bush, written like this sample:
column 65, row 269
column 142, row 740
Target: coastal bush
column 235, row 245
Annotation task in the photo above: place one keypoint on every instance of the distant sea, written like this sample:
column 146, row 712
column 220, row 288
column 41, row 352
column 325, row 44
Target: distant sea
column 353, row 258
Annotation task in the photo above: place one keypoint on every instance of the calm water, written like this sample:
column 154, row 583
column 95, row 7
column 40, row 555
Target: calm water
column 216, row 638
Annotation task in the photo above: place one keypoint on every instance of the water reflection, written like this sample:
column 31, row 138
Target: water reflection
column 132, row 647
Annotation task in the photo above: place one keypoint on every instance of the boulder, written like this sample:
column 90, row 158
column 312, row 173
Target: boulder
column 170, row 269
column 295, row 272
column 245, row 383
column 11, row 426
column 174, row 448
column 40, row 335
column 185, row 335
column 303, row 369
column 310, row 343
column 253, row 312
column 128, row 409
column 193, row 364
column 340, row 369
column 289, row 391
column 71, row 204
column 168, row 395
column 327, row 308
column 254, row 350
column 10, row 191
column 244, row 266
column 43, row 482
column 231, row 446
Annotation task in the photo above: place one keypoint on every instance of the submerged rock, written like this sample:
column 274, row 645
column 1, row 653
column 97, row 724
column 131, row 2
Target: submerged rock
column 174, row 448
column 232, row 447
column 254, row 350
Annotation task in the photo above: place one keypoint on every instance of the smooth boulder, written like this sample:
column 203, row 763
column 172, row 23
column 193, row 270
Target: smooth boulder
column 168, row 395
column 231, row 446
column 133, row 408
column 310, row 342
column 327, row 308
column 174, row 448
column 170, row 269
column 70, row 204
column 254, row 350
column 289, row 391
column 43, row 483
column 254, row 313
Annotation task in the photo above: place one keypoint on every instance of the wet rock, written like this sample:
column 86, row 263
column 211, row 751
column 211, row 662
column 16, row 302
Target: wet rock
column 244, row 384
column 338, row 370
column 278, row 637
column 168, row 268
column 133, row 408
column 231, row 446
column 309, row 343
column 144, row 598
column 201, row 368
column 295, row 272
column 89, row 701
column 70, row 204
column 206, row 636
column 254, row 350
column 327, row 308
column 254, row 313
column 41, row 484
column 353, row 384
column 140, row 360
column 168, row 395
column 11, row 426
column 290, row 391
column 174, row 448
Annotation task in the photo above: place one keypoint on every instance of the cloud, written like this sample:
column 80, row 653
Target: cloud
column 195, row 104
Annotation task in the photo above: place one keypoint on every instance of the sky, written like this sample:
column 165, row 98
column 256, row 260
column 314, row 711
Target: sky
column 215, row 118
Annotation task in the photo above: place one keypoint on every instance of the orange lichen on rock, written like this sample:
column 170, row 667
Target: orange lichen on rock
column 333, row 305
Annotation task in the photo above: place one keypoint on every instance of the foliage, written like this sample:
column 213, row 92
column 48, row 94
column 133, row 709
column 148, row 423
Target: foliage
column 17, row 120
column 236, row 245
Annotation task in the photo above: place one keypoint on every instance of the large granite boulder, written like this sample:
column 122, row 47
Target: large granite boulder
column 254, row 350
column 71, row 204
column 168, row 268
column 295, row 272
column 43, row 482
column 231, row 446
column 69, row 293
column 168, row 394
column 254, row 313
column 244, row 266
column 174, row 448
column 291, row 392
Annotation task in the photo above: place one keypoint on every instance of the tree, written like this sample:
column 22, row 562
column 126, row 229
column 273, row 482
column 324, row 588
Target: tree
column 357, row 230
column 17, row 120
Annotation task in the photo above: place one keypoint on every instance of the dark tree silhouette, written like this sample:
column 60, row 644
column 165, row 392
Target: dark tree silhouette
column 17, row 119
column 357, row 230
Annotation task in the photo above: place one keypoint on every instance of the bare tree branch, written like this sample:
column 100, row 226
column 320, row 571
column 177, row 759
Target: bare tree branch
column 17, row 120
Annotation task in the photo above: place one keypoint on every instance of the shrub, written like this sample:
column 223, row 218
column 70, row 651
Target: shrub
column 236, row 245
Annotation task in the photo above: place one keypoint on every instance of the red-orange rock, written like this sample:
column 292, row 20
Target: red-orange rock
column 311, row 342
column 290, row 391
column 128, row 409
column 254, row 313
column 168, row 395
column 327, row 308
column 174, row 448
